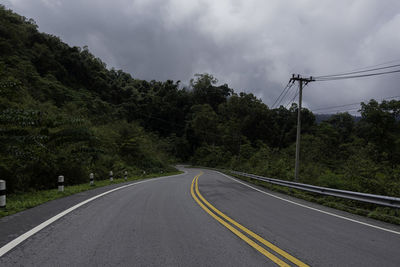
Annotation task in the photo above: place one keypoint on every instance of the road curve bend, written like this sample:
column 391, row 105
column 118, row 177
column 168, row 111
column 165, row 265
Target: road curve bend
column 204, row 218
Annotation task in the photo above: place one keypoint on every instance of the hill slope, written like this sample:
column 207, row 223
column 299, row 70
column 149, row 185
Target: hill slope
column 63, row 112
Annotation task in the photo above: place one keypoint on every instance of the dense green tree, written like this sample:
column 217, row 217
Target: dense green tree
column 205, row 91
column 380, row 126
column 204, row 123
column 63, row 112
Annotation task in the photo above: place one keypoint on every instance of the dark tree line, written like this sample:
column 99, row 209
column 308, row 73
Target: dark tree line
column 63, row 111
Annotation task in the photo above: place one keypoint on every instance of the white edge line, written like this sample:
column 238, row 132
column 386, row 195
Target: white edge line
column 12, row 244
column 311, row 208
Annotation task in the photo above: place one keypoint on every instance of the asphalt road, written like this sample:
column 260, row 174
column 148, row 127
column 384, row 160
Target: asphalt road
column 159, row 223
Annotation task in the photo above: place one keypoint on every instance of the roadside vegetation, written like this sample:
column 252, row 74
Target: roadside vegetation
column 63, row 112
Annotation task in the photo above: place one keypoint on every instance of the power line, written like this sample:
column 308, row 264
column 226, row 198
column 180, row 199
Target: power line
column 355, row 72
column 288, row 97
column 284, row 89
column 285, row 96
column 355, row 76
column 301, row 80
column 333, row 107
column 293, row 98
column 341, row 110
column 366, row 67
column 282, row 95
column 349, row 105
column 295, row 95
column 376, row 65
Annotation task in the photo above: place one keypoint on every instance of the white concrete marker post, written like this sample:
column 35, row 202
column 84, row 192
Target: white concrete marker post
column 60, row 183
column 126, row 175
column 2, row 194
column 91, row 177
column 111, row 176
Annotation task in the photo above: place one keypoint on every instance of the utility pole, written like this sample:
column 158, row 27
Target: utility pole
column 301, row 80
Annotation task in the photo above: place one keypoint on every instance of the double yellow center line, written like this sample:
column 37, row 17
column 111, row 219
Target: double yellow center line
column 241, row 231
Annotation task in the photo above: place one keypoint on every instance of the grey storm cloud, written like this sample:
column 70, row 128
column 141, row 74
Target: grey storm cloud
column 253, row 46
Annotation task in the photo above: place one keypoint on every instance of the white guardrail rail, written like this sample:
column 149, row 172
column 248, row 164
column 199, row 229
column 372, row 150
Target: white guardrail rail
column 393, row 202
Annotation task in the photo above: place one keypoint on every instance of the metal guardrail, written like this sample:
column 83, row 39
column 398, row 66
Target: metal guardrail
column 393, row 202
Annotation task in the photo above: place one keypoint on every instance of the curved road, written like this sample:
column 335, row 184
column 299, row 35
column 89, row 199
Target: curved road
column 167, row 222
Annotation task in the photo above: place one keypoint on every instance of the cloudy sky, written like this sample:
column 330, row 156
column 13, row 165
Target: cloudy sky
column 253, row 46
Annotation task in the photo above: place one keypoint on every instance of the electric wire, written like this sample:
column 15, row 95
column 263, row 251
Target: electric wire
column 282, row 95
column 355, row 72
column 340, row 111
column 366, row 68
column 284, row 89
column 297, row 93
column 333, row 107
column 285, row 96
column 376, row 65
column 351, row 104
column 288, row 97
column 355, row 76
column 293, row 98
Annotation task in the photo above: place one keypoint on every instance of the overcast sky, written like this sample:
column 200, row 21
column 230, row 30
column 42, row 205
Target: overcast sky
column 253, row 46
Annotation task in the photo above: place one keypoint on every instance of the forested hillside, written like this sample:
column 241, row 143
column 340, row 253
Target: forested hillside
column 63, row 112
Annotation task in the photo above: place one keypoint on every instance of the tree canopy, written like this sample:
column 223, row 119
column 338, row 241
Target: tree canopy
column 62, row 111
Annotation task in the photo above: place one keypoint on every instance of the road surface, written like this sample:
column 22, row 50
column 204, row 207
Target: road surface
column 203, row 218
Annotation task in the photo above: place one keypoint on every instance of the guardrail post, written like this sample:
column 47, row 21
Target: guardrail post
column 60, row 183
column 2, row 194
column 111, row 176
column 91, row 177
column 126, row 175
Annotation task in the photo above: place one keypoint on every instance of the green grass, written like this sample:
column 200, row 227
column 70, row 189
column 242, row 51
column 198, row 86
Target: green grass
column 386, row 214
column 23, row 201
